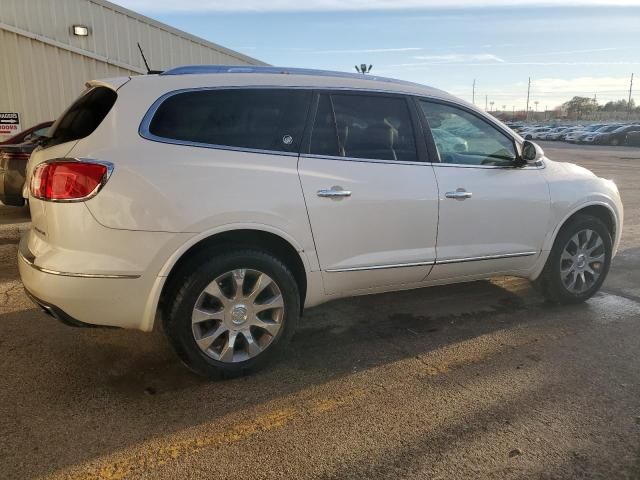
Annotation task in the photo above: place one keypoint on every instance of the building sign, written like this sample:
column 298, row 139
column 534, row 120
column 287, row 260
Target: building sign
column 9, row 123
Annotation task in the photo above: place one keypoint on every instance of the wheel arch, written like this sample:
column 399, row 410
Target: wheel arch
column 598, row 209
column 243, row 236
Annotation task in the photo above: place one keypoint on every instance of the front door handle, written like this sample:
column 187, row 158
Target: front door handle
column 334, row 192
column 459, row 194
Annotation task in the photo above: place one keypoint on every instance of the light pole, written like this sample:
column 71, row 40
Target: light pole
column 491, row 103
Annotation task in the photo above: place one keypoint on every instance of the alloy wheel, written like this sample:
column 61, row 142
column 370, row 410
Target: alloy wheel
column 238, row 315
column 582, row 261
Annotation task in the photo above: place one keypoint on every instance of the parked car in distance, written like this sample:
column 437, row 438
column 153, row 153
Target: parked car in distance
column 236, row 197
column 13, row 162
column 569, row 131
column 632, row 139
column 617, row 136
column 574, row 136
column 448, row 142
column 553, row 134
column 39, row 130
column 591, row 137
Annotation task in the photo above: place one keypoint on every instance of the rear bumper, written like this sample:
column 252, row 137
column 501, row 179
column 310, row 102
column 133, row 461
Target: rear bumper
column 86, row 299
column 58, row 313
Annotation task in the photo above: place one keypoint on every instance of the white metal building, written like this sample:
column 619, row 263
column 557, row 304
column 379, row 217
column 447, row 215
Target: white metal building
column 50, row 48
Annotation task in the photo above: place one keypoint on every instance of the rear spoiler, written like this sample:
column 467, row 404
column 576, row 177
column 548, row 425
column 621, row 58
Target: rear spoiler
column 114, row 83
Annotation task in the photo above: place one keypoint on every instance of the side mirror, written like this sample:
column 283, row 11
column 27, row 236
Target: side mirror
column 531, row 152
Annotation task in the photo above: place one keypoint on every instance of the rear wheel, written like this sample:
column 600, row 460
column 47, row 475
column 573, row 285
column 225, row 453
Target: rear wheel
column 232, row 312
column 578, row 263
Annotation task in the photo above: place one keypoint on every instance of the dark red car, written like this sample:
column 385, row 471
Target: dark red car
column 13, row 162
column 38, row 130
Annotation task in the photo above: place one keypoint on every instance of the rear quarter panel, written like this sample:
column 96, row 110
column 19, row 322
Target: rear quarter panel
column 159, row 186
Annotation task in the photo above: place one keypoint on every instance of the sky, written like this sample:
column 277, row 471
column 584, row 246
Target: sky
column 580, row 47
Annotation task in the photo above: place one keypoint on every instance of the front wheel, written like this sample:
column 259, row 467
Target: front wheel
column 578, row 263
column 231, row 312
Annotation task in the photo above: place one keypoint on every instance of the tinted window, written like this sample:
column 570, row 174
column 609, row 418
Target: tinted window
column 260, row 119
column 324, row 138
column 373, row 127
column 83, row 117
column 463, row 138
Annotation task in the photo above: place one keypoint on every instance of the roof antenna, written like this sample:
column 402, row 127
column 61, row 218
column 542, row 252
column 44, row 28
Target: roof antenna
column 146, row 64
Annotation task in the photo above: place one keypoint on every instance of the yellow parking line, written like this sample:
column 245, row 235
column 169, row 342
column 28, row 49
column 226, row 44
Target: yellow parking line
column 143, row 460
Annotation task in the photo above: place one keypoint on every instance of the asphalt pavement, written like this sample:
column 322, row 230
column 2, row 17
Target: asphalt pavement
column 478, row 380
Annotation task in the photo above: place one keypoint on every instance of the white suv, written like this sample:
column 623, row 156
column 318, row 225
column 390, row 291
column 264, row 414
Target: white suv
column 221, row 201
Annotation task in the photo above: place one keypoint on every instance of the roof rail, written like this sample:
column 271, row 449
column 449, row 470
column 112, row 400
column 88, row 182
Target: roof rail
column 206, row 69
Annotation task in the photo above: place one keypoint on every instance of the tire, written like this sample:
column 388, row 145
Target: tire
column 551, row 282
column 276, row 325
column 13, row 201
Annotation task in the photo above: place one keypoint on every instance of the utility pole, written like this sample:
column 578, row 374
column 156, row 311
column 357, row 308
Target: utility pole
column 528, row 93
column 486, row 100
column 630, row 92
column 473, row 94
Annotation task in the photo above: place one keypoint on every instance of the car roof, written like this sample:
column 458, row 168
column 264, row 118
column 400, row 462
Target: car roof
column 194, row 76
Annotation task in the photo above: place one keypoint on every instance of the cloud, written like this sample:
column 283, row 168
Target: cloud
column 504, row 63
column 549, row 91
column 374, row 50
column 459, row 58
column 333, row 5
column 581, row 85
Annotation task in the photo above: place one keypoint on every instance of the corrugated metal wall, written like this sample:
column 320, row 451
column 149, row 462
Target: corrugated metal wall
column 43, row 67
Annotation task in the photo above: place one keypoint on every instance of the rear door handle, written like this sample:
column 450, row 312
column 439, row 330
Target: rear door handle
column 459, row 194
column 334, row 192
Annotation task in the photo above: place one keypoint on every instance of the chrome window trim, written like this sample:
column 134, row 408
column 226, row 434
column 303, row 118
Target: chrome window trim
column 144, row 132
column 143, row 129
column 434, row 164
column 432, row 262
column 363, row 160
column 537, row 166
column 30, row 262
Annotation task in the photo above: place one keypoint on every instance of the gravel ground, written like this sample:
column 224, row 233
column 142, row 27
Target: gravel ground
column 481, row 380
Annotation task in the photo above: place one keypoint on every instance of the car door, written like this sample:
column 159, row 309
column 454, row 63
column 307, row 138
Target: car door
column 372, row 198
column 493, row 214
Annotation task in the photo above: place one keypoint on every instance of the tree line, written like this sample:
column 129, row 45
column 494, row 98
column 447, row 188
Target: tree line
column 579, row 107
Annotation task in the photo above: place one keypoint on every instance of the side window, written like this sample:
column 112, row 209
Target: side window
column 260, row 119
column 324, row 139
column 372, row 127
column 463, row 138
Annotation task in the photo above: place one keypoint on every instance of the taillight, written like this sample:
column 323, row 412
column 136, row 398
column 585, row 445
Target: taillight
column 68, row 180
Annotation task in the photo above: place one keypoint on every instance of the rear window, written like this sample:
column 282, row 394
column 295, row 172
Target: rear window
column 262, row 119
column 83, row 116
